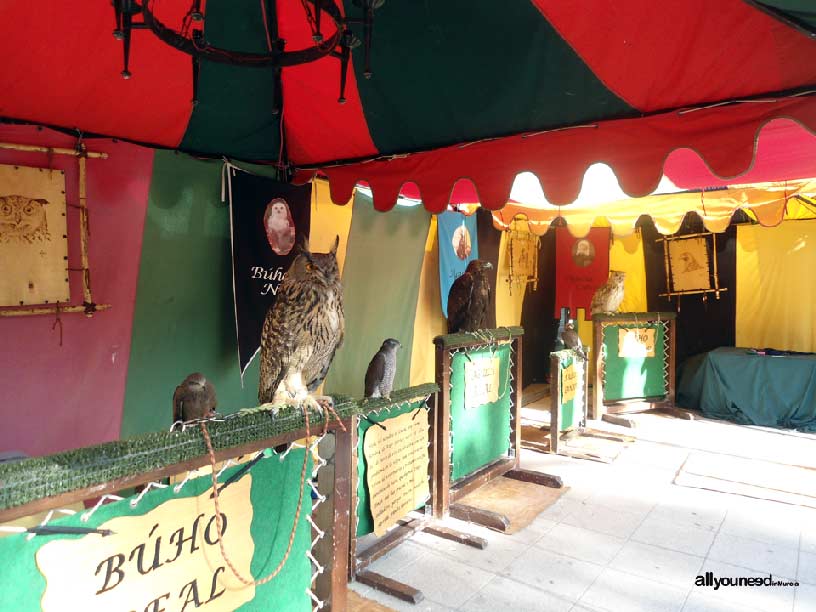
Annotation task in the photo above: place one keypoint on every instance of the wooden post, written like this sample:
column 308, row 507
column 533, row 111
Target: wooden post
column 670, row 392
column 333, row 516
column 555, row 402
column 353, row 471
column 598, row 405
column 83, row 232
column 441, row 500
column 587, row 401
column 515, row 398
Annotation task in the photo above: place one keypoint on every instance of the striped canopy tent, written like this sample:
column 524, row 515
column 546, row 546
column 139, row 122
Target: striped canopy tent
column 460, row 89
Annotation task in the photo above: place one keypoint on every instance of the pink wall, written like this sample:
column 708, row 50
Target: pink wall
column 54, row 397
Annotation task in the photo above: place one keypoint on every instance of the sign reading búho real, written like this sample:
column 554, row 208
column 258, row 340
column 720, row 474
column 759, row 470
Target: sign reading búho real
column 481, row 381
column 167, row 560
column 636, row 342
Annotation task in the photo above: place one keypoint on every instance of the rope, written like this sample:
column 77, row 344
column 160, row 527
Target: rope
column 218, row 521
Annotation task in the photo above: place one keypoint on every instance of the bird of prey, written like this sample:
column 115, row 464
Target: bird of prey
column 379, row 378
column 608, row 297
column 469, row 298
column 302, row 330
column 194, row 399
column 572, row 340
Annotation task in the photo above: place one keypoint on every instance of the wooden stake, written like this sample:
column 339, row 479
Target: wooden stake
column 51, row 150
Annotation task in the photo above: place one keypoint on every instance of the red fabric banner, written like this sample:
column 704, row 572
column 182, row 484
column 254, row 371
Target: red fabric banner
column 581, row 266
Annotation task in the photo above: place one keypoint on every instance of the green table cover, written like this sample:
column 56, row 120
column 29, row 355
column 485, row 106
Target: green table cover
column 736, row 385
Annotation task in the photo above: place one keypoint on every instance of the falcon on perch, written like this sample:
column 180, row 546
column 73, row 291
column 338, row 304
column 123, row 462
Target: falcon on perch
column 194, row 399
column 469, row 298
column 379, row 378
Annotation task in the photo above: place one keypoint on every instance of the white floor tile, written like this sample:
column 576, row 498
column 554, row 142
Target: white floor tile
column 699, row 602
column 658, row 564
column 563, row 576
column 807, row 568
column 398, row 605
column 604, row 520
column 805, row 598
column 581, row 543
column 503, row 594
column 617, row 592
column 659, row 531
column 753, row 554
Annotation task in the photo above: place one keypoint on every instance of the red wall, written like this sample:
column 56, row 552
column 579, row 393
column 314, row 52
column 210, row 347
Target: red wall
column 54, row 397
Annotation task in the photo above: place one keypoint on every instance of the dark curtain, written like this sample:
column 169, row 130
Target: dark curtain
column 701, row 325
column 537, row 316
column 489, row 239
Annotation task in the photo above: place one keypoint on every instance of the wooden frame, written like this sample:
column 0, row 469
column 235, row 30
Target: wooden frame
column 332, row 515
column 407, row 527
column 446, row 492
column 600, row 407
column 88, row 307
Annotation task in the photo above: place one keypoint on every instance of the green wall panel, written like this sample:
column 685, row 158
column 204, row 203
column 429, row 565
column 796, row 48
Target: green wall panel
column 633, row 377
column 184, row 318
column 480, row 435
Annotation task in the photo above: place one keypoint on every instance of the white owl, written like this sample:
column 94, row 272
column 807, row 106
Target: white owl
column 279, row 231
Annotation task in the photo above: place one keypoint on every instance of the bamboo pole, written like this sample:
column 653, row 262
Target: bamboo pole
column 83, row 232
column 49, row 309
column 56, row 150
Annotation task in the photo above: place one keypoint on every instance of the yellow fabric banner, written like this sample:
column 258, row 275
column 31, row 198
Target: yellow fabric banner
column 776, row 288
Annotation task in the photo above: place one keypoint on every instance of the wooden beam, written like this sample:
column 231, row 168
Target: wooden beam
column 515, row 399
column 52, row 150
column 395, row 537
column 23, row 311
column 112, row 486
column 391, row 587
column 486, row 518
column 480, row 478
column 446, row 533
column 441, row 498
column 539, row 478
column 555, row 402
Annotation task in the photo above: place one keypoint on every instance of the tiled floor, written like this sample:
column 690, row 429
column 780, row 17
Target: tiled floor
column 623, row 537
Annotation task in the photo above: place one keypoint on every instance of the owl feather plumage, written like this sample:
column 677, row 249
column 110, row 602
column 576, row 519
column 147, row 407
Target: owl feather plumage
column 609, row 296
column 303, row 328
column 469, row 298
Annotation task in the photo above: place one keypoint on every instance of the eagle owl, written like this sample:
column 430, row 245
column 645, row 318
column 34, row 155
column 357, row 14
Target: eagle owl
column 302, row 330
column 608, row 297
column 379, row 378
column 23, row 219
column 469, row 298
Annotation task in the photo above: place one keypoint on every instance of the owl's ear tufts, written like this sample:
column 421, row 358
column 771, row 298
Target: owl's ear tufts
column 303, row 246
column 333, row 250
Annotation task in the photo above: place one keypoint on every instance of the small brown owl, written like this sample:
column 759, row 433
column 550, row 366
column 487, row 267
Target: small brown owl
column 608, row 297
column 23, row 219
column 303, row 329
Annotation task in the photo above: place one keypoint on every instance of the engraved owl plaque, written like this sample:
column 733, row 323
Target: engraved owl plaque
column 33, row 236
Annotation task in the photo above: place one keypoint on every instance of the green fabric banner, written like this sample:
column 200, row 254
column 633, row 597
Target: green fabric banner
column 633, row 377
column 380, row 285
column 274, row 495
column 365, row 521
column 184, row 319
column 480, row 434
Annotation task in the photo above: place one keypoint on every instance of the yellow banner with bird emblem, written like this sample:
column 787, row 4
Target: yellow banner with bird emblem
column 689, row 264
column 33, row 236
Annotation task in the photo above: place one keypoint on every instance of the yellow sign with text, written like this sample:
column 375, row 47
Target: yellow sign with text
column 167, row 560
column 636, row 342
column 481, row 381
column 397, row 467
column 569, row 383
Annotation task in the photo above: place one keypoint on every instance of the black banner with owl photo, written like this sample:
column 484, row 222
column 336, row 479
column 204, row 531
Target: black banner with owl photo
column 268, row 220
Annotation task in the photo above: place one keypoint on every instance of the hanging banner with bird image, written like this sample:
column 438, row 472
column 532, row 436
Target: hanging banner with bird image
column 269, row 220
column 581, row 266
column 689, row 264
column 458, row 246
column 33, row 236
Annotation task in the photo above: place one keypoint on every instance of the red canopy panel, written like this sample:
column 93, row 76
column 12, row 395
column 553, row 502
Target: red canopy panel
column 636, row 149
column 663, row 55
column 61, row 66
